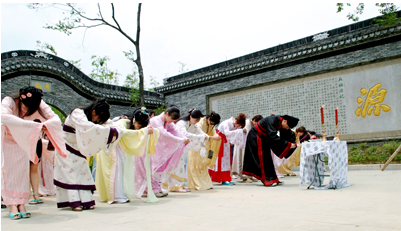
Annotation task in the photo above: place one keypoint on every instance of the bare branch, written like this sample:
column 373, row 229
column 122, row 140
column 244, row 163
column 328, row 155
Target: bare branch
column 112, row 7
column 100, row 12
column 83, row 26
column 83, row 16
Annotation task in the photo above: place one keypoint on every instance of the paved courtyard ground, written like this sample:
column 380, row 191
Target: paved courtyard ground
column 373, row 202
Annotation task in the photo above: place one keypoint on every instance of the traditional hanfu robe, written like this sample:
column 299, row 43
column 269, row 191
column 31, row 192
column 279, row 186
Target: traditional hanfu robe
column 229, row 134
column 169, row 150
column 238, row 156
column 46, row 171
column 115, row 174
column 72, row 175
column 176, row 181
column 261, row 140
column 18, row 145
column 197, row 175
column 293, row 161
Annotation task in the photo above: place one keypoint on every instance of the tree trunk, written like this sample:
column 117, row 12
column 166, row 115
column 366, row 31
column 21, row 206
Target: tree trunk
column 141, row 81
column 138, row 58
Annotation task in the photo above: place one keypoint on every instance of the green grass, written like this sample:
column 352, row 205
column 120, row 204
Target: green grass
column 364, row 154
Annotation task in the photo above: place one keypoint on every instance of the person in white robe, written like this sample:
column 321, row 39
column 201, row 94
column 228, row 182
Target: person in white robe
column 87, row 130
column 238, row 155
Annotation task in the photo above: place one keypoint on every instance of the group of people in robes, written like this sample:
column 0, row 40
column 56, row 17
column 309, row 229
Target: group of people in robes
column 136, row 155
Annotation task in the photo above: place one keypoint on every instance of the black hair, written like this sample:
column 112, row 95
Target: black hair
column 101, row 108
column 214, row 117
column 31, row 97
column 195, row 113
column 172, row 105
column 150, row 112
column 140, row 116
column 291, row 121
column 256, row 118
column 173, row 112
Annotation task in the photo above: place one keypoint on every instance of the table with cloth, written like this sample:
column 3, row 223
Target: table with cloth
column 337, row 154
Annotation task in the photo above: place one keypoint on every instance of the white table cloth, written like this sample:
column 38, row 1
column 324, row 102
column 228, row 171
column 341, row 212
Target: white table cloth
column 337, row 154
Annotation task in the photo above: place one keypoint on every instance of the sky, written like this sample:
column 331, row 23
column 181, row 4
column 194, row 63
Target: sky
column 196, row 34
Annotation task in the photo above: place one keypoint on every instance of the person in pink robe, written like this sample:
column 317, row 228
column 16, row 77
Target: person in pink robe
column 169, row 148
column 19, row 136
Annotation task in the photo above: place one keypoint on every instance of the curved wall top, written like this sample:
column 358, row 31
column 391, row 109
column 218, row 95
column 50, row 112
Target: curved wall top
column 39, row 64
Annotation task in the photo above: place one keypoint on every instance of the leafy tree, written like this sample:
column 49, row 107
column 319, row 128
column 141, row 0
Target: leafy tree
column 388, row 10
column 160, row 109
column 132, row 81
column 101, row 72
column 153, row 83
column 77, row 18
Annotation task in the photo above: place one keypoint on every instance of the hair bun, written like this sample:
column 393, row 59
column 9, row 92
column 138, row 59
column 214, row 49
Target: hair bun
column 241, row 119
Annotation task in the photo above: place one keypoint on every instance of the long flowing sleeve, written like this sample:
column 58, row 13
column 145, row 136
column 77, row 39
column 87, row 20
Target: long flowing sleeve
column 193, row 133
column 234, row 135
column 279, row 144
column 90, row 137
column 169, row 146
column 54, row 128
column 24, row 132
column 170, row 132
column 134, row 141
column 196, row 134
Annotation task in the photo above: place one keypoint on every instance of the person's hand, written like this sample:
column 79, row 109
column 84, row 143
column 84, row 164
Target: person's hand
column 206, row 137
column 293, row 146
column 186, row 141
column 215, row 137
column 150, row 130
column 124, row 117
column 44, row 128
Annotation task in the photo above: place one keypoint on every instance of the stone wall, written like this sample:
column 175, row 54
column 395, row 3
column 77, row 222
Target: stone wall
column 198, row 97
column 332, row 70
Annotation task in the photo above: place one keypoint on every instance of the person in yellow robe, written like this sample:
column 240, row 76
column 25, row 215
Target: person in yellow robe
column 115, row 174
column 198, row 177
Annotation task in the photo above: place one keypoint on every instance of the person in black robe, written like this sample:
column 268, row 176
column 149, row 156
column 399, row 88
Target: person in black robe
column 261, row 140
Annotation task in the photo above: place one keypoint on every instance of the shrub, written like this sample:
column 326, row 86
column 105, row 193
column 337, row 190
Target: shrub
column 362, row 154
column 363, row 145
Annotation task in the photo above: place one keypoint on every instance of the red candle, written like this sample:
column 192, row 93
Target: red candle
column 336, row 116
column 321, row 113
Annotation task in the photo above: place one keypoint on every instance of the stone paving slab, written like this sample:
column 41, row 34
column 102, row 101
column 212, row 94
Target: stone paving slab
column 373, row 202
